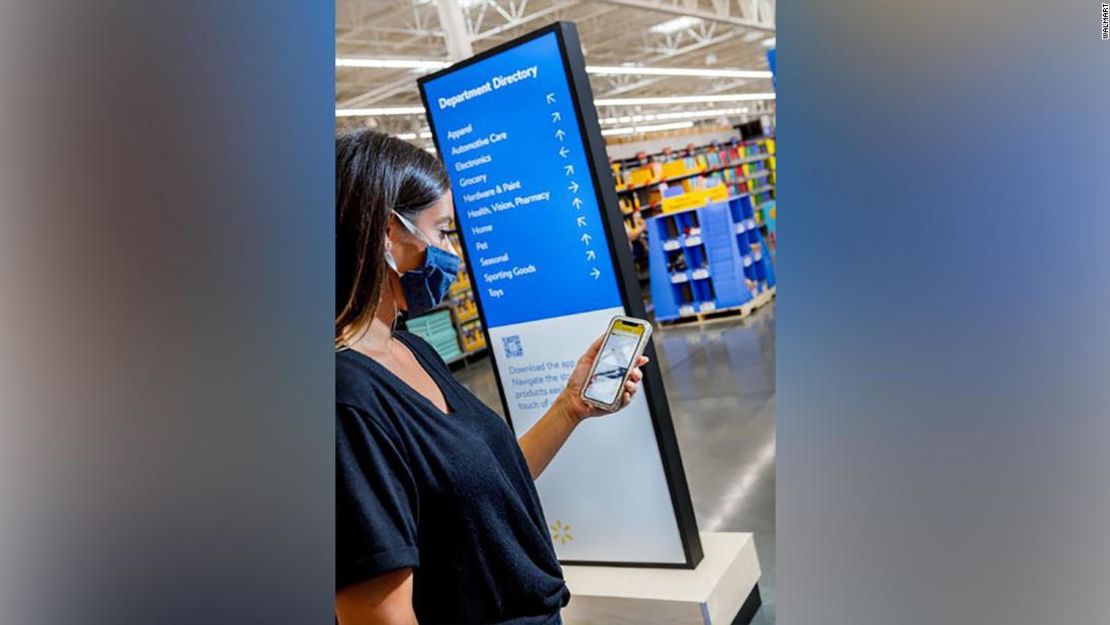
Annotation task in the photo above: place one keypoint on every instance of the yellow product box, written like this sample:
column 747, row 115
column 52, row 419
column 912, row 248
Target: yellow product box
column 695, row 199
column 473, row 338
column 674, row 168
column 461, row 283
column 717, row 193
column 770, row 146
column 641, row 176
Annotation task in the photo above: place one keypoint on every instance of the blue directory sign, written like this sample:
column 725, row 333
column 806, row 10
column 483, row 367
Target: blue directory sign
column 525, row 202
column 516, row 129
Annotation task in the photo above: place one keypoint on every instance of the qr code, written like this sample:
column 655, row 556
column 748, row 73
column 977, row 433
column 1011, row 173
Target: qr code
column 513, row 348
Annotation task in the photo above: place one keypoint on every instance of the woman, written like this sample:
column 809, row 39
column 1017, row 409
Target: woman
column 438, row 520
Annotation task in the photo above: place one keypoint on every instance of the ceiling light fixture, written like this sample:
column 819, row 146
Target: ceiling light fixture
column 769, row 42
column 608, row 70
column 610, row 132
column 391, row 63
column 375, row 112
column 698, row 114
column 642, row 129
column 738, row 97
column 605, row 70
column 693, row 99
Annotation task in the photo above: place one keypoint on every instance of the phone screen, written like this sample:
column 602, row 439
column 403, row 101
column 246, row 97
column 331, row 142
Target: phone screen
column 613, row 361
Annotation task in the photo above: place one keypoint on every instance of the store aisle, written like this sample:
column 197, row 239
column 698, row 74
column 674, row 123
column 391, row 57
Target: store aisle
column 720, row 380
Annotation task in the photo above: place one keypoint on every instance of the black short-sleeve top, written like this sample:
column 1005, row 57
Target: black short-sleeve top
column 448, row 495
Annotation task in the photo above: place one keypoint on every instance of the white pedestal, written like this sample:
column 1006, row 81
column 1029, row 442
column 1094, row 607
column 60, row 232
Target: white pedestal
column 711, row 594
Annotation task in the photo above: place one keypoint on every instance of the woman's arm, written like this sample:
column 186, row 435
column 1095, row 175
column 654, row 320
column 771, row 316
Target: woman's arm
column 546, row 437
column 383, row 600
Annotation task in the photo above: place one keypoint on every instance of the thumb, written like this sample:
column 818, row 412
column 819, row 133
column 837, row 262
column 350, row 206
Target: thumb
column 594, row 347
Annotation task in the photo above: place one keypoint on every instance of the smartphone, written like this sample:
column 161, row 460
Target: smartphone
column 624, row 341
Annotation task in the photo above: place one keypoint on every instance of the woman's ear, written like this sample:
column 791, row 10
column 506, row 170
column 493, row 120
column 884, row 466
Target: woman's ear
column 390, row 233
column 406, row 250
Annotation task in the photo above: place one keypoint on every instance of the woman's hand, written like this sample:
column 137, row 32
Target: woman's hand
column 544, row 439
column 571, row 397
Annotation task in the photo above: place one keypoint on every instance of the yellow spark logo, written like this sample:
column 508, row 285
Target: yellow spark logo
column 560, row 533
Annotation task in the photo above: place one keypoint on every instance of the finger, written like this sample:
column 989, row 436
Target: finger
column 642, row 360
column 626, row 399
column 635, row 376
column 630, row 387
column 592, row 350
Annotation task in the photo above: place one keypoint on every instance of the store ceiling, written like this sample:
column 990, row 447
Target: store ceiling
column 699, row 34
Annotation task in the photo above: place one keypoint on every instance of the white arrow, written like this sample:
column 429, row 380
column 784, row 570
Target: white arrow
column 573, row 187
column 555, row 117
column 569, row 169
column 586, row 238
column 551, row 98
column 590, row 255
column 595, row 273
column 563, row 151
column 559, row 134
column 577, row 202
column 581, row 222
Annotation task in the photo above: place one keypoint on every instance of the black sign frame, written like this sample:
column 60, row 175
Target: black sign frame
column 574, row 65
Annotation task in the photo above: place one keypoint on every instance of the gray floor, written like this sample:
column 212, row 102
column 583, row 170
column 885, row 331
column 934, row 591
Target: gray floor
column 720, row 379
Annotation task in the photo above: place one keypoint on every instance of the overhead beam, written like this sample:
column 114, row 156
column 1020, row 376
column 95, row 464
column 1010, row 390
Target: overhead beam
column 709, row 16
column 457, row 37
column 509, row 25
column 694, row 47
column 357, row 30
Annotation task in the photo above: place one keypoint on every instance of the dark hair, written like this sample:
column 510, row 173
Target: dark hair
column 375, row 174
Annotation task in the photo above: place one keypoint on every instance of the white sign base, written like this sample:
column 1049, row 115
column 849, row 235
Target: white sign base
column 711, row 594
column 605, row 493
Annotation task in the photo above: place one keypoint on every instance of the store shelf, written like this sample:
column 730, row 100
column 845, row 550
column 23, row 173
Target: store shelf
column 756, row 191
column 706, row 172
column 467, row 319
column 691, row 272
column 681, row 153
column 718, row 262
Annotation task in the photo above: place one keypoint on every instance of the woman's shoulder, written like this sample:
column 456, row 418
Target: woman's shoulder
column 357, row 381
column 362, row 393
